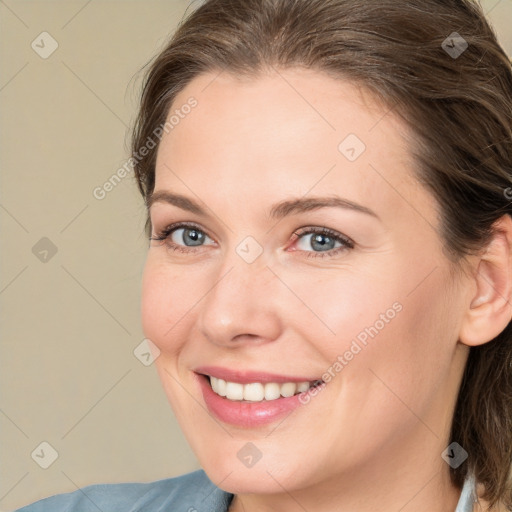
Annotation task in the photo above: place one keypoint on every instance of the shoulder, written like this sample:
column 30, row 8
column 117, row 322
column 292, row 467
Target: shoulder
column 190, row 492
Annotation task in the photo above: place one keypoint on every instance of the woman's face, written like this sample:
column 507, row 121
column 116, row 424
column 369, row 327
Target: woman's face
column 309, row 253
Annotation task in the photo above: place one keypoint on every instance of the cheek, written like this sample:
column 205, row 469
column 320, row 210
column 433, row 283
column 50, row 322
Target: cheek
column 169, row 295
column 345, row 306
column 379, row 333
column 405, row 362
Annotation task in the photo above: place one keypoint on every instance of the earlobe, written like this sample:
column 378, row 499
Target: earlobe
column 490, row 308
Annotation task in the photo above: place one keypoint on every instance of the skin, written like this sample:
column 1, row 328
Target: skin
column 383, row 421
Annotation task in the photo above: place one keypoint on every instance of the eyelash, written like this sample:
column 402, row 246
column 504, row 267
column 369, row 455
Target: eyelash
column 346, row 242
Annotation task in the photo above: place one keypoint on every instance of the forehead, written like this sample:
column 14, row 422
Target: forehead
column 279, row 110
column 286, row 133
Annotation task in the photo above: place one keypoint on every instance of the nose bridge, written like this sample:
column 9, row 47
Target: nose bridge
column 240, row 302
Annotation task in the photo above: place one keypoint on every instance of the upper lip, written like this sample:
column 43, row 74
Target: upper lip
column 248, row 376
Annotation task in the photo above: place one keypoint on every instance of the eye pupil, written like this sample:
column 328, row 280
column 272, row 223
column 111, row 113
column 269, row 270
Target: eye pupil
column 192, row 237
column 322, row 242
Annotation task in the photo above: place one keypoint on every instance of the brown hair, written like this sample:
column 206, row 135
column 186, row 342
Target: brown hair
column 457, row 102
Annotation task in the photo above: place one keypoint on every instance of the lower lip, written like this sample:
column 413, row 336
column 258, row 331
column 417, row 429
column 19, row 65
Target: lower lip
column 246, row 414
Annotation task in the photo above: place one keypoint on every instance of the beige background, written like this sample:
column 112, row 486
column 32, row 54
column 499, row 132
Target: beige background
column 70, row 324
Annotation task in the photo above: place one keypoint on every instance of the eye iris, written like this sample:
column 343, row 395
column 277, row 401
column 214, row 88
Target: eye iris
column 192, row 237
column 322, row 242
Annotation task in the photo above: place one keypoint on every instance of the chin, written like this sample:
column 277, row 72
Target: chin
column 237, row 480
column 267, row 475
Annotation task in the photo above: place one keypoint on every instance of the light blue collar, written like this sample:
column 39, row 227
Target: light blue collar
column 467, row 496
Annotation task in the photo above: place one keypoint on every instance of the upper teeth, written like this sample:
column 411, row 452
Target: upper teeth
column 256, row 391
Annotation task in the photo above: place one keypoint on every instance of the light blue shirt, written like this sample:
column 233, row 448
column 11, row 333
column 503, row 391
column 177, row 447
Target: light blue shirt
column 193, row 492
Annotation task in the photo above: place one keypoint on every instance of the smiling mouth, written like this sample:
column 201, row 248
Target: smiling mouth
column 258, row 391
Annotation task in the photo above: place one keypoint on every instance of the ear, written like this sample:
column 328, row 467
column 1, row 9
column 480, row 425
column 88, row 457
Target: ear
column 490, row 306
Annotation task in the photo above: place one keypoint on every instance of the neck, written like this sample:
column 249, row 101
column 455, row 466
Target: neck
column 435, row 496
column 410, row 483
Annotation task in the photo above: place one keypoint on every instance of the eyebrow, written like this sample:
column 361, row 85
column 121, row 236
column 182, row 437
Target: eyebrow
column 278, row 211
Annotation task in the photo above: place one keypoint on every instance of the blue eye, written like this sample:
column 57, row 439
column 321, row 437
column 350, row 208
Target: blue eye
column 188, row 236
column 182, row 237
column 322, row 241
column 314, row 241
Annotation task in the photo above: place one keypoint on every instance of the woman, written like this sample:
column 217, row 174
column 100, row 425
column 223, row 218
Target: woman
column 329, row 276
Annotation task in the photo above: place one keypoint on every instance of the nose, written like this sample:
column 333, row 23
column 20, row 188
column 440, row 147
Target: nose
column 242, row 305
